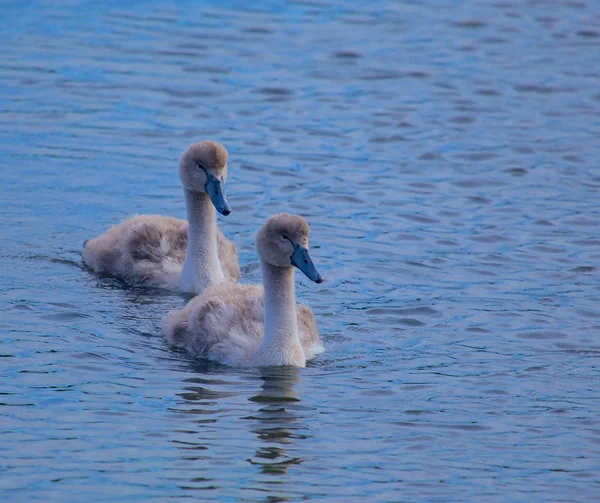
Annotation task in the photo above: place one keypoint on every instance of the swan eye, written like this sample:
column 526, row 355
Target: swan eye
column 285, row 236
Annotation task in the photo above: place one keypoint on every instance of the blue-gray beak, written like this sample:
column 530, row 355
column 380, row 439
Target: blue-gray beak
column 301, row 259
column 214, row 189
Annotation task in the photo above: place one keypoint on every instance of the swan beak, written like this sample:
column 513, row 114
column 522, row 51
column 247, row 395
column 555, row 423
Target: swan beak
column 214, row 189
column 301, row 259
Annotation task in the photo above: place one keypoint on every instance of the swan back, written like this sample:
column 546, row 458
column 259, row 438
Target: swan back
column 225, row 323
column 144, row 249
column 150, row 250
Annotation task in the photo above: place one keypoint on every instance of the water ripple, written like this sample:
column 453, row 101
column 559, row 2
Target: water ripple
column 447, row 162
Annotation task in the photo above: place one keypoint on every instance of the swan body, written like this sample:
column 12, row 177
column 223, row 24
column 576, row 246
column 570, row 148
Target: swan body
column 150, row 250
column 249, row 325
column 166, row 252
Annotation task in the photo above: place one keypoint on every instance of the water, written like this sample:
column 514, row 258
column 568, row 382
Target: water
column 446, row 156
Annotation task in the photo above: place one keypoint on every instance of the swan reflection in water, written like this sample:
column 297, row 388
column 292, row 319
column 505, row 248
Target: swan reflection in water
column 273, row 414
column 277, row 419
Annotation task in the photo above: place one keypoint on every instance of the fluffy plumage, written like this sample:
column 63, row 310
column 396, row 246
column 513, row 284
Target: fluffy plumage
column 165, row 252
column 226, row 324
column 149, row 250
column 250, row 325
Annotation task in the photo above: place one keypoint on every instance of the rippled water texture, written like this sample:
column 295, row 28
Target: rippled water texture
column 447, row 157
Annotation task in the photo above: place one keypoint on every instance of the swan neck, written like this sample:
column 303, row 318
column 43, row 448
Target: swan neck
column 281, row 325
column 202, row 267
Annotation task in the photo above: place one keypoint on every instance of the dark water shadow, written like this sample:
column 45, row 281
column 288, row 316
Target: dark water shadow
column 277, row 421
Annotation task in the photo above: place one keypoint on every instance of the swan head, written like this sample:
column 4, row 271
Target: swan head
column 203, row 169
column 283, row 242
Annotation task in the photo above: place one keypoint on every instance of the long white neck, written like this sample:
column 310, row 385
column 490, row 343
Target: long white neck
column 202, row 267
column 281, row 342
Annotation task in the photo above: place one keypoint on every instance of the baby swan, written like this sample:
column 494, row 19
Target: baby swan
column 165, row 252
column 249, row 325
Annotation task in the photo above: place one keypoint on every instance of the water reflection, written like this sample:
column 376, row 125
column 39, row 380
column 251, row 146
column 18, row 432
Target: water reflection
column 203, row 415
column 277, row 420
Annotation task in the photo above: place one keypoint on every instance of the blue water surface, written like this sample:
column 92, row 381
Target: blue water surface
column 447, row 157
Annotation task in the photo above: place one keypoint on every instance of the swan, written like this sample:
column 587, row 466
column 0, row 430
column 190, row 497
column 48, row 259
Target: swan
column 166, row 252
column 249, row 325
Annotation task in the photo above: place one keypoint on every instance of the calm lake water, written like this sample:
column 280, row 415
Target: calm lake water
column 447, row 157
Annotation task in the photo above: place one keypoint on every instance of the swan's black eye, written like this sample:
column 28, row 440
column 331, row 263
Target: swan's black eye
column 285, row 236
